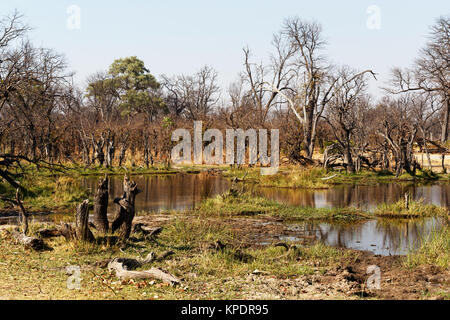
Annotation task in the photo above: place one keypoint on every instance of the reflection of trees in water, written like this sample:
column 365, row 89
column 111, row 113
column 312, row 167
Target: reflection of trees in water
column 181, row 190
column 166, row 191
column 297, row 197
column 356, row 195
column 391, row 234
column 343, row 232
column 401, row 233
column 445, row 195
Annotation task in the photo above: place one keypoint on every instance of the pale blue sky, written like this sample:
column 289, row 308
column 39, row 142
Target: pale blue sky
column 180, row 36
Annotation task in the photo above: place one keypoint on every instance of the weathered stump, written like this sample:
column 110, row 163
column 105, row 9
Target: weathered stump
column 67, row 231
column 125, row 213
column 82, row 223
column 101, row 206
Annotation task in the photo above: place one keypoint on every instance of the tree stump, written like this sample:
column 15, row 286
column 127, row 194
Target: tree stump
column 125, row 213
column 82, row 223
column 101, row 206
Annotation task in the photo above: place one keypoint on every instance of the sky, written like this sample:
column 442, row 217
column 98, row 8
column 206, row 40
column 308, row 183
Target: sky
column 174, row 37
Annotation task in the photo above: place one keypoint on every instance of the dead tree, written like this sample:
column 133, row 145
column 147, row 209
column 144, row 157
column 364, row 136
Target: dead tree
column 123, row 147
column 430, row 74
column 101, row 206
column 125, row 213
column 311, row 87
column 22, row 237
column 122, row 222
column 98, row 150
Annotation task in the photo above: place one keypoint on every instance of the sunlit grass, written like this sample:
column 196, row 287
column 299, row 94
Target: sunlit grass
column 434, row 250
column 248, row 205
column 415, row 209
column 42, row 275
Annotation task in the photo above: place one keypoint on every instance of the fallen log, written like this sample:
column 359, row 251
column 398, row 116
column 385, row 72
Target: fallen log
column 123, row 267
column 151, row 233
column 154, row 273
column 30, row 242
column 49, row 233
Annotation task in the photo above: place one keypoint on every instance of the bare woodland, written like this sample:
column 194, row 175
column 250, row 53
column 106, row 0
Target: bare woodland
column 125, row 115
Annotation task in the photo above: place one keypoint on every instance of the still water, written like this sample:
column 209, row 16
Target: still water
column 185, row 191
column 380, row 237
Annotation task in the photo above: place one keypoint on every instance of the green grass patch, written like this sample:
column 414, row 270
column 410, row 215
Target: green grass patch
column 416, row 209
column 100, row 170
column 287, row 177
column 48, row 192
column 434, row 250
column 247, row 205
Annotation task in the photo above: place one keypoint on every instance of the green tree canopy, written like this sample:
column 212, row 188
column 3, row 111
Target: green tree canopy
column 134, row 87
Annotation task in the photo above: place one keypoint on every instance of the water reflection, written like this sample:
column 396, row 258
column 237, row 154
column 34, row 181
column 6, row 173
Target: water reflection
column 185, row 191
column 166, row 192
column 385, row 238
column 365, row 197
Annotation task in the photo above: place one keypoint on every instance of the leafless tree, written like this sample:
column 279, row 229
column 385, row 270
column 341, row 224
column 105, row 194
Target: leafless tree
column 194, row 96
column 431, row 73
column 399, row 129
column 277, row 73
column 346, row 110
column 311, row 88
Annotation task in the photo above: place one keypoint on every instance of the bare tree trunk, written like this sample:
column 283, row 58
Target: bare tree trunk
column 98, row 150
column 444, row 133
column 348, row 156
column 385, row 161
column 147, row 151
column 358, row 164
column 110, row 152
column 445, row 121
column 123, row 149
column 101, row 206
column 428, row 155
column 308, row 133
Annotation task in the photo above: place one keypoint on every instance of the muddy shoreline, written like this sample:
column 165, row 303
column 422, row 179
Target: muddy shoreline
column 347, row 281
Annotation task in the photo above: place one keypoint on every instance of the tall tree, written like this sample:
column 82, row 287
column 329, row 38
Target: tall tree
column 194, row 96
column 311, row 86
column 345, row 111
column 431, row 73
